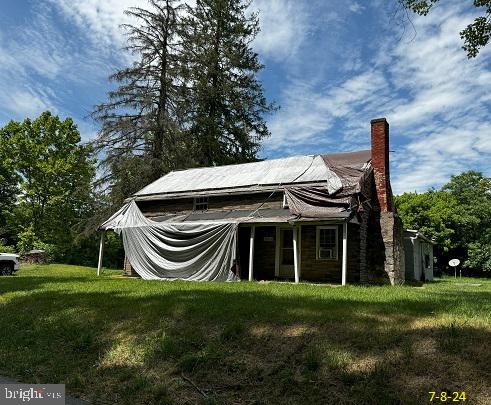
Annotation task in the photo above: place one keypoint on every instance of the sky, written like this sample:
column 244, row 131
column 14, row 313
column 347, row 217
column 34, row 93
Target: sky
column 331, row 66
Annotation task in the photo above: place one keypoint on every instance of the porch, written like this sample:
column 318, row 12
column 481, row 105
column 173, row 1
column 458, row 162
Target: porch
column 324, row 251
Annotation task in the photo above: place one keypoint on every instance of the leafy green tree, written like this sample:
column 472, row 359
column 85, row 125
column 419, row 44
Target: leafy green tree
column 476, row 35
column 56, row 173
column 472, row 191
column 226, row 100
column 457, row 217
column 434, row 213
column 9, row 181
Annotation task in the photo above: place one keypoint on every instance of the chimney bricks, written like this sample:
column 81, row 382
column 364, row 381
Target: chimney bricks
column 380, row 163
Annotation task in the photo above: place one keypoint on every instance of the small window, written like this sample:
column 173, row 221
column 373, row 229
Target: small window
column 201, row 203
column 285, row 201
column 327, row 243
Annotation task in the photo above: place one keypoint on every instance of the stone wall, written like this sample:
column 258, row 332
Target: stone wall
column 128, row 270
column 391, row 228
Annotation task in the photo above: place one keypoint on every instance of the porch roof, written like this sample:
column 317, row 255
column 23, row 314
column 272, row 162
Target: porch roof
column 266, row 215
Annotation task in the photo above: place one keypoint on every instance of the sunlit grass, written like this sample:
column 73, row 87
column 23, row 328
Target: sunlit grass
column 118, row 340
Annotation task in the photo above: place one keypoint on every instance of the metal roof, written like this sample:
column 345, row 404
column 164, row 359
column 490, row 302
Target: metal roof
column 291, row 170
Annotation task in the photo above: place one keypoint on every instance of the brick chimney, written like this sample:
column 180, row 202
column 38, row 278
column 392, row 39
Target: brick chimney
column 380, row 163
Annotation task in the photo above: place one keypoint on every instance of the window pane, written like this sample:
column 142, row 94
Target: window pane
column 327, row 248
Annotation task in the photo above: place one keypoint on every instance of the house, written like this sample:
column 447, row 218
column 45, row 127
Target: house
column 418, row 256
column 321, row 218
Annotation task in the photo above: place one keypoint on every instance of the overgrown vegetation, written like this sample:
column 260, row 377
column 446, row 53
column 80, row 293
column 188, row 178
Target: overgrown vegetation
column 46, row 194
column 457, row 217
column 126, row 341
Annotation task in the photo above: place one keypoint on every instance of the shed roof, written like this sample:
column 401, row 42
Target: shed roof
column 256, row 176
column 412, row 233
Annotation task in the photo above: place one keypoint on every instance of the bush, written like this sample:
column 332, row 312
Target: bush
column 6, row 249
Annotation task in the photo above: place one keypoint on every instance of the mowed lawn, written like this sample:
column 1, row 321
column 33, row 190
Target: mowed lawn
column 128, row 341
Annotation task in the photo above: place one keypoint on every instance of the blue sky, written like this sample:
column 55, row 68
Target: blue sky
column 331, row 66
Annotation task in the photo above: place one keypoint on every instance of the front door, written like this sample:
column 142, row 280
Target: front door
column 286, row 268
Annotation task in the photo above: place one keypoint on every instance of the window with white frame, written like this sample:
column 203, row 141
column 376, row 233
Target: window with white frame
column 327, row 243
column 200, row 203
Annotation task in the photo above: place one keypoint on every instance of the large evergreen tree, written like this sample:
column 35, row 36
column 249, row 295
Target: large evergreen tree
column 226, row 100
column 191, row 98
column 141, row 121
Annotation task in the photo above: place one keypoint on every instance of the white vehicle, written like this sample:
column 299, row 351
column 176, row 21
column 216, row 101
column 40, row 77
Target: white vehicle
column 9, row 263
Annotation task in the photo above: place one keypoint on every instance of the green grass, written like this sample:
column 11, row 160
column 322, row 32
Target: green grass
column 129, row 341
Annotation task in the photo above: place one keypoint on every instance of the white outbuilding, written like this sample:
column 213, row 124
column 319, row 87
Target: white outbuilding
column 418, row 256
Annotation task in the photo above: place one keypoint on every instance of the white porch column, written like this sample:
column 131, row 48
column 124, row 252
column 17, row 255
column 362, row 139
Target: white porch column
column 344, row 268
column 295, row 254
column 101, row 252
column 251, row 252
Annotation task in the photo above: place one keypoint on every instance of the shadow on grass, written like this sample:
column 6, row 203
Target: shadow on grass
column 193, row 343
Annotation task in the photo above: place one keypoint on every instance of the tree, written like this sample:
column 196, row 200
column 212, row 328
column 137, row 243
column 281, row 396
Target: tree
column 458, row 217
column 434, row 213
column 476, row 35
column 226, row 100
column 472, row 191
column 8, row 185
column 55, row 172
column 143, row 116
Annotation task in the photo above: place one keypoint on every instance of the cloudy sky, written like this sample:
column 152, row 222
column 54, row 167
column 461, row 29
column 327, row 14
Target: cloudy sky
column 331, row 65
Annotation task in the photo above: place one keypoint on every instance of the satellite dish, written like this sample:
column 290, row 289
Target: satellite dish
column 454, row 262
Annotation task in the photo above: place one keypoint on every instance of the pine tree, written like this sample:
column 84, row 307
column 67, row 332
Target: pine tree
column 142, row 121
column 226, row 100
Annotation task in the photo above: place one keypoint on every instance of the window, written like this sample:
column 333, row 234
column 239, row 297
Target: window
column 201, row 203
column 327, row 243
column 285, row 201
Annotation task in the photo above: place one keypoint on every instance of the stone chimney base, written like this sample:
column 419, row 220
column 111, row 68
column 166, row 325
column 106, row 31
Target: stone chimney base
column 392, row 235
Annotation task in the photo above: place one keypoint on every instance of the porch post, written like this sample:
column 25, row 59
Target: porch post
column 345, row 253
column 101, row 252
column 251, row 252
column 295, row 254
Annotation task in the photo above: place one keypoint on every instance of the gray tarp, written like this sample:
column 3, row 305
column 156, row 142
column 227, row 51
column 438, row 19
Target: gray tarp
column 314, row 202
column 169, row 251
column 318, row 201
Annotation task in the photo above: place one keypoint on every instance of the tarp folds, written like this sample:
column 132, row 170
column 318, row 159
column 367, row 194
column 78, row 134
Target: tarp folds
column 169, row 251
column 314, row 202
column 318, row 201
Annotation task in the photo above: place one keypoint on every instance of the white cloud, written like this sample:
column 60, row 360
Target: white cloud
column 356, row 7
column 436, row 100
column 284, row 26
column 101, row 19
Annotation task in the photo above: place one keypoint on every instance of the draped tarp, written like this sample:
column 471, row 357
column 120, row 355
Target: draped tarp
column 169, row 251
column 353, row 172
column 315, row 202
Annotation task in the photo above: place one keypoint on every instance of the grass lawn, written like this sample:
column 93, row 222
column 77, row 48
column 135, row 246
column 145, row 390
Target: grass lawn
column 129, row 341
